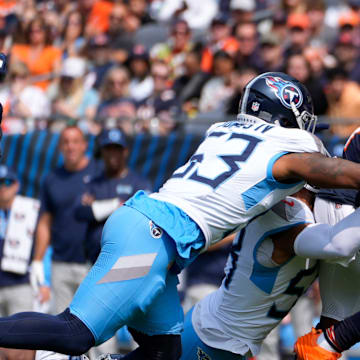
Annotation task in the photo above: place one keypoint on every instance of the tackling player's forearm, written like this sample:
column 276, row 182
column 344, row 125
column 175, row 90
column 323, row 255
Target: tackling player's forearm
column 42, row 238
column 319, row 170
column 338, row 242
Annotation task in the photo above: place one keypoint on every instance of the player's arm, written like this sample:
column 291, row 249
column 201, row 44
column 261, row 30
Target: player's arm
column 42, row 237
column 337, row 242
column 42, row 241
column 91, row 209
column 317, row 169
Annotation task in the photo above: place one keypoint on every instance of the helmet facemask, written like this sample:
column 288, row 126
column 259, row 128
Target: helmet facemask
column 305, row 120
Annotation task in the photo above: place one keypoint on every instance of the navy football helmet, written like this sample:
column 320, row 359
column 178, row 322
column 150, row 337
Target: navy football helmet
column 280, row 99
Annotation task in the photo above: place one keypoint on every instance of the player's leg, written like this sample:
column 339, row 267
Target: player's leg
column 157, row 332
column 63, row 333
column 339, row 297
column 195, row 349
column 129, row 273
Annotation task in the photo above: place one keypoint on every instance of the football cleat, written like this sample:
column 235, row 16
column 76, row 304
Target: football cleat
column 307, row 348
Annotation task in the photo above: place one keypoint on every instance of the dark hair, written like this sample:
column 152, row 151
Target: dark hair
column 38, row 20
column 336, row 72
column 67, row 20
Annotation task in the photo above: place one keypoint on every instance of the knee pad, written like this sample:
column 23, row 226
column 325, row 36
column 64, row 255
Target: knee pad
column 157, row 347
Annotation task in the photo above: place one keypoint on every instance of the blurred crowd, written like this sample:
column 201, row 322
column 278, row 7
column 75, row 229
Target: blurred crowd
column 150, row 66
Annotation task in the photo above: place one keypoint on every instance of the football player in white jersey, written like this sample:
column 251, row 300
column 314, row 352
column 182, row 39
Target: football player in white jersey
column 264, row 279
column 240, row 170
column 340, row 298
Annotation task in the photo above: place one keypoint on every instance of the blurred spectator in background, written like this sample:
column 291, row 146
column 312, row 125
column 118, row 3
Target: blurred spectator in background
column 98, row 53
column 298, row 67
column 278, row 26
column 115, row 103
column 119, row 42
column 220, row 38
column 198, row 14
column 240, row 78
column 141, row 84
column 299, row 33
column 242, row 10
column 97, row 13
column 271, row 52
column 42, row 59
column 21, row 100
column 58, row 224
column 188, row 86
column 319, row 60
column 293, row 6
column 72, row 38
column 174, row 51
column 71, row 99
column 122, row 32
column 248, row 53
column 348, row 24
column 218, row 90
column 346, row 51
column 160, row 113
column 18, row 217
column 344, row 102
column 140, row 9
column 321, row 33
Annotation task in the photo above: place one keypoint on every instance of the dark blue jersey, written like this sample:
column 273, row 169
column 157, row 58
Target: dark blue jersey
column 346, row 196
column 8, row 278
column 59, row 197
column 103, row 188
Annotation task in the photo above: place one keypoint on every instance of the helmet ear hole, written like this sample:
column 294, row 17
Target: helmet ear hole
column 286, row 122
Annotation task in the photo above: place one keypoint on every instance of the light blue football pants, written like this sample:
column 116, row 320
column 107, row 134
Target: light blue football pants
column 130, row 282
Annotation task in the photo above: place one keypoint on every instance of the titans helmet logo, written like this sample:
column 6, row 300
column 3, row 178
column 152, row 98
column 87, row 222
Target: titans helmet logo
column 285, row 91
column 202, row 355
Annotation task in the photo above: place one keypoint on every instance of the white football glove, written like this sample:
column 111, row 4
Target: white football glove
column 37, row 276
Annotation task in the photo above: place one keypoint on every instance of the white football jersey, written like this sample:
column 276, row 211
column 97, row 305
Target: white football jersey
column 229, row 180
column 256, row 293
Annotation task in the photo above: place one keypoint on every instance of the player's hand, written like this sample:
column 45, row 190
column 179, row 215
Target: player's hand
column 37, row 276
column 87, row 199
column 306, row 348
column 44, row 294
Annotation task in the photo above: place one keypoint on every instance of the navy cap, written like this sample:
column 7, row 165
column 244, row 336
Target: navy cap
column 112, row 137
column 7, row 173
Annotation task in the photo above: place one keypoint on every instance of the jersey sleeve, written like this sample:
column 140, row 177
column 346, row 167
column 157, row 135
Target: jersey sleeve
column 296, row 140
column 352, row 147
